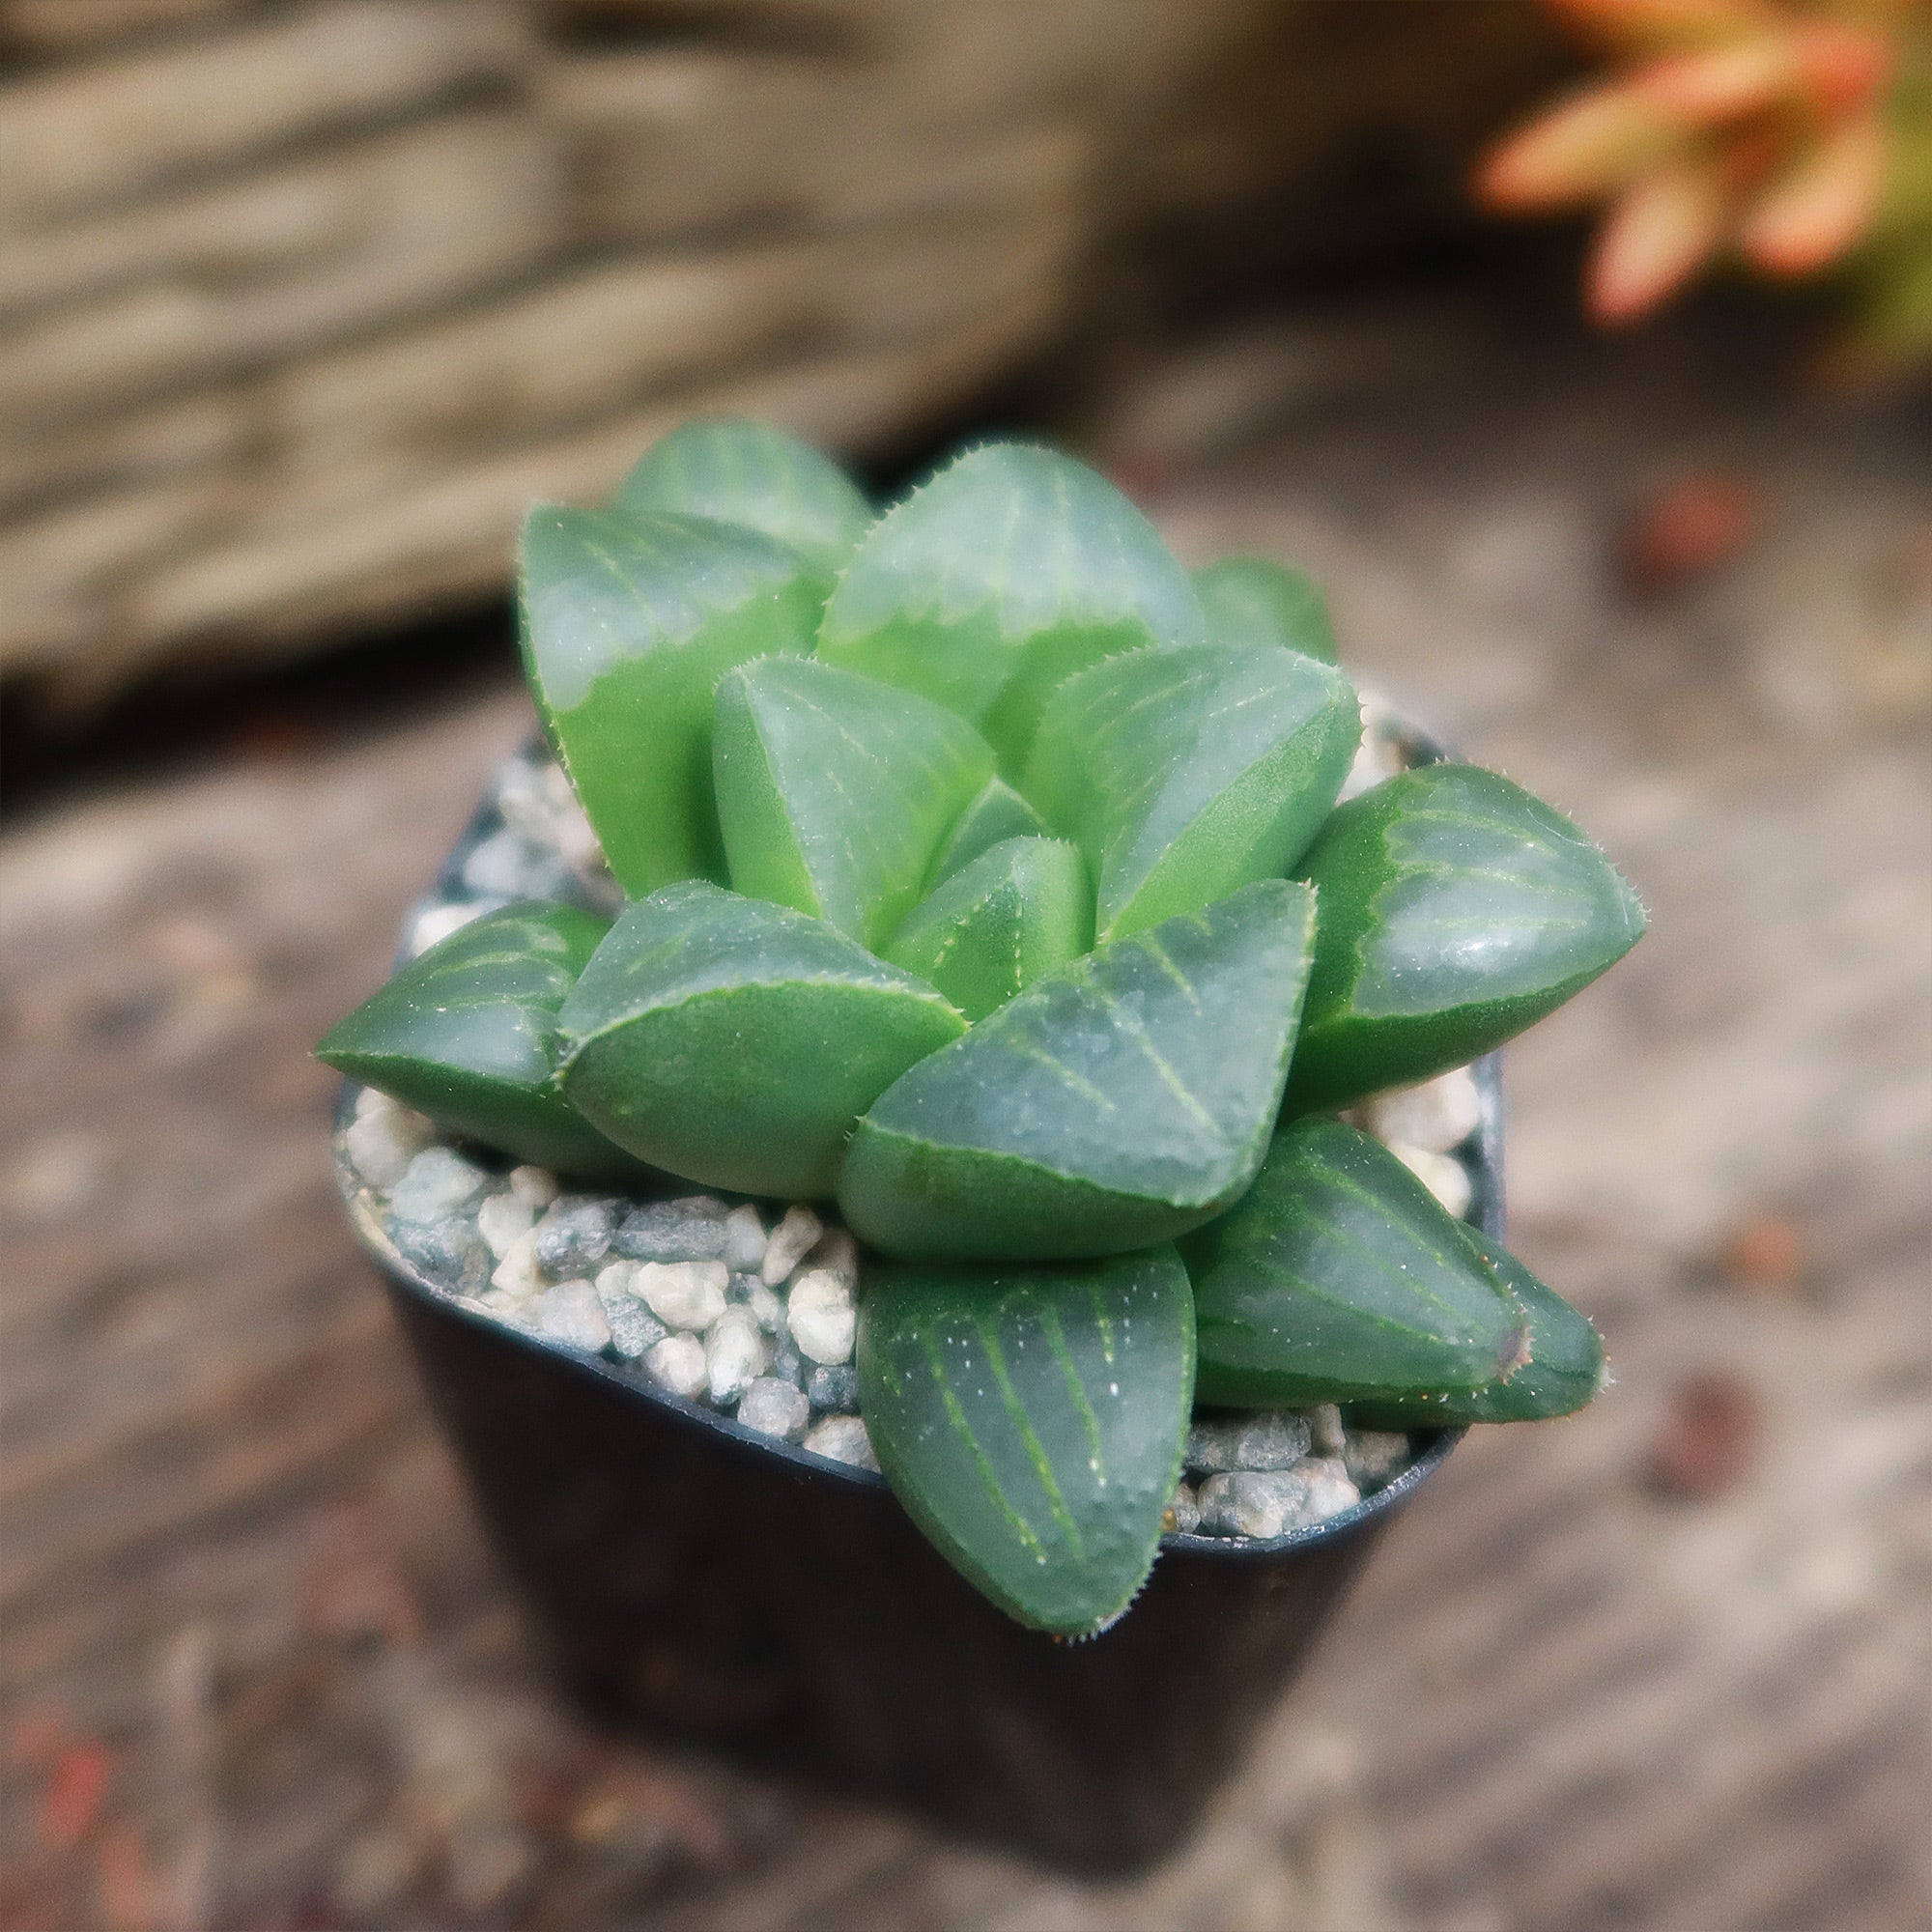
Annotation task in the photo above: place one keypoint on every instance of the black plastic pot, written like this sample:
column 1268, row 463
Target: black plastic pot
column 711, row 1584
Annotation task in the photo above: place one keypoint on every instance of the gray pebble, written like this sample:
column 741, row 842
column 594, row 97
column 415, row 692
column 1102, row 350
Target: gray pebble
column 572, row 1237
column 1186, row 1511
column 1373, row 1456
column 507, row 864
column 787, row 1364
column 775, row 1408
column 835, row 1390
column 437, row 1183
column 1272, row 1442
column 748, row 1292
column 635, row 1331
column 1258, row 1503
column 1210, row 1445
column 691, row 1230
column 449, row 1252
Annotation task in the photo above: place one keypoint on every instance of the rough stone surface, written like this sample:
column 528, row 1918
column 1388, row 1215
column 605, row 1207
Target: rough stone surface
column 1210, row 1444
column 1372, row 1457
column 1331, row 1490
column 736, row 1351
column 574, row 1235
column 448, row 1251
column 517, row 1274
column 677, row 1363
column 791, row 1241
column 382, row 1140
column 842, row 1438
column 537, row 1185
column 689, row 1229
column 682, row 1294
column 835, row 1390
column 823, row 1316
column 634, row 1329
column 744, row 1240
column 438, row 1181
column 572, row 1312
column 775, row 1408
column 1272, row 1442
column 1254, row 1503
column 1187, row 1510
column 502, row 1220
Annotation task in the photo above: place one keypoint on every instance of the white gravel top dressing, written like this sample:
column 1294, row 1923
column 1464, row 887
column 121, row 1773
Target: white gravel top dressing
column 749, row 1309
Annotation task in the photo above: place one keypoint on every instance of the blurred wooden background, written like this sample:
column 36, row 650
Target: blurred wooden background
column 303, row 301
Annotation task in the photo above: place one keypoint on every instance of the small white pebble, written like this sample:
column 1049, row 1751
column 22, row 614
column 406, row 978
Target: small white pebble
column 775, row 1407
column 437, row 1184
column 685, row 1294
column 677, row 1363
column 822, row 1316
column 1439, row 1115
column 384, row 1139
column 794, row 1237
column 1331, row 1491
column 570, row 1311
column 537, row 1185
column 767, row 1310
column 435, row 923
column 617, row 1278
column 842, row 1438
column 518, row 1274
column 503, row 1219
column 1325, row 1428
column 1442, row 1174
column 744, row 1240
column 735, row 1354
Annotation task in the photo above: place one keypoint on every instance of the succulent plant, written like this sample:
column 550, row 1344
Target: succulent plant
column 985, row 874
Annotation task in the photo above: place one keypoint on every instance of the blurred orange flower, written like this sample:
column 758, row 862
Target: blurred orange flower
column 1749, row 125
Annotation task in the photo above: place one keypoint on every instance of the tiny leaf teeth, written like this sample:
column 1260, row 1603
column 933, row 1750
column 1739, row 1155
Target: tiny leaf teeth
column 984, row 874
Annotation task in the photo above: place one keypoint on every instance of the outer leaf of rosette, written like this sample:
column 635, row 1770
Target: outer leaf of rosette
column 1185, row 774
column 991, row 930
column 1564, row 1372
column 466, row 1034
column 1339, row 1278
column 833, row 790
column 736, row 471
column 733, row 1043
column 1249, row 600
column 1013, row 568
column 628, row 623
column 997, row 814
column 1115, row 1102
column 1456, row 910
column 1032, row 1421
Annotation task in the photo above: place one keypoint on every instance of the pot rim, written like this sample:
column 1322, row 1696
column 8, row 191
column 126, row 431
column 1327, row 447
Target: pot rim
column 1419, row 747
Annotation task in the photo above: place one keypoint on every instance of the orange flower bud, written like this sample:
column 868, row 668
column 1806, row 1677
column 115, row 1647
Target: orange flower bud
column 1658, row 234
column 1593, row 143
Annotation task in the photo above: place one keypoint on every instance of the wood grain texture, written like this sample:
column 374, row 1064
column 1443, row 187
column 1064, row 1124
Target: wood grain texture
column 233, row 1553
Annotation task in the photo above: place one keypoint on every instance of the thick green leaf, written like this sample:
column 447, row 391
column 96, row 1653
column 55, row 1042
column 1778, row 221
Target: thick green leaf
column 1032, row 1421
column 1455, row 910
column 1338, row 1278
column 747, row 472
column 628, row 624
column 1115, row 1102
column 1564, row 1372
column 1250, row 601
column 1014, row 913
column 998, row 813
column 734, row 1042
column 833, row 790
column 1010, row 570
column 1185, row 774
column 467, row 1033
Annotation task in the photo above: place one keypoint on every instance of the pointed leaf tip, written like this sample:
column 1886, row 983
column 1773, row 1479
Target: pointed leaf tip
column 1032, row 1421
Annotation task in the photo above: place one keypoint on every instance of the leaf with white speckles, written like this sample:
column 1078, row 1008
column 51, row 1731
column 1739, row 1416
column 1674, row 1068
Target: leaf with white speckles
column 1032, row 1421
